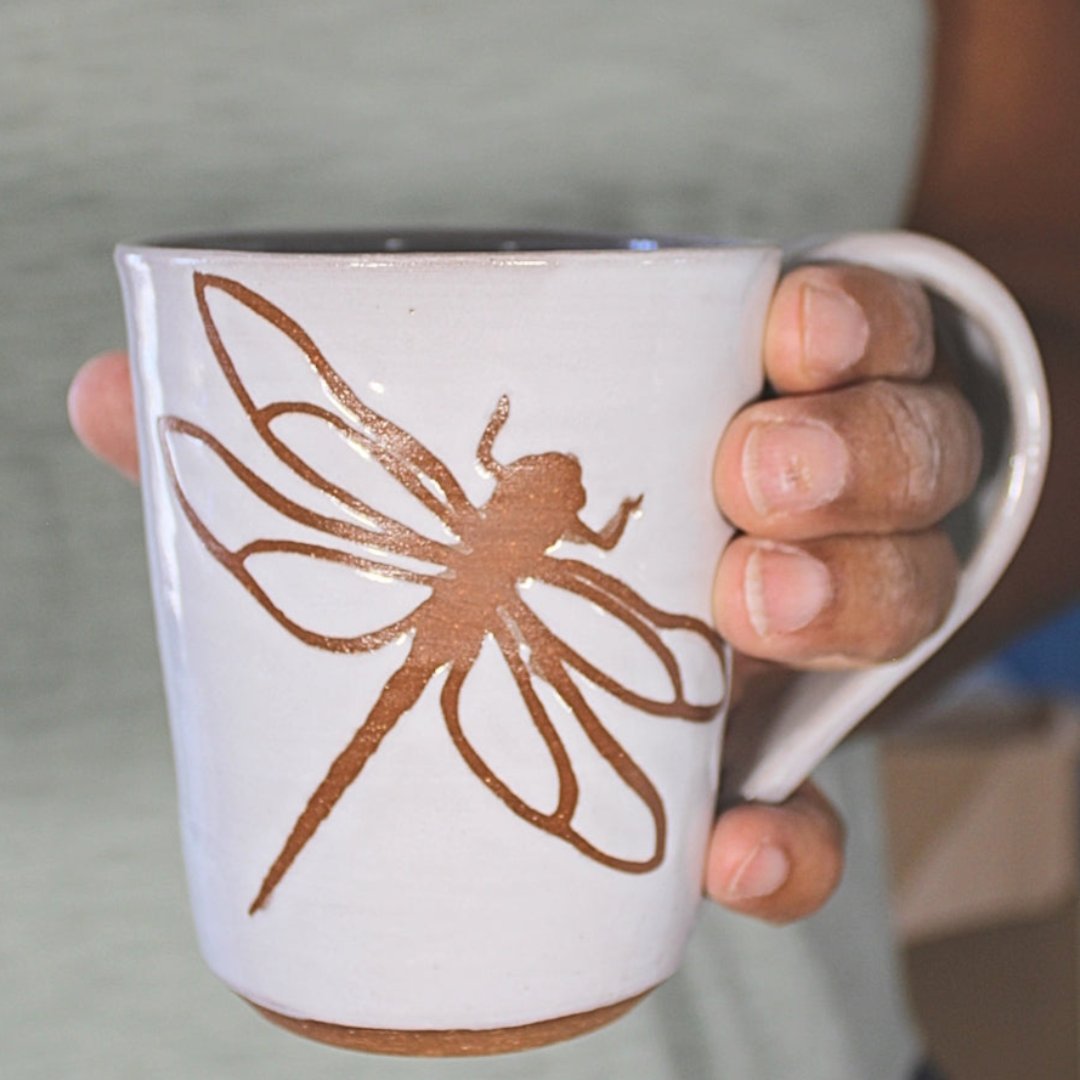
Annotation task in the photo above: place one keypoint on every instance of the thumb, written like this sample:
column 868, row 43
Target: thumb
column 102, row 413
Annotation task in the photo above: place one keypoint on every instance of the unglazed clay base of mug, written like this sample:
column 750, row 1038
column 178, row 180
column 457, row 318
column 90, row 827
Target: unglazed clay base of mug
column 460, row 1042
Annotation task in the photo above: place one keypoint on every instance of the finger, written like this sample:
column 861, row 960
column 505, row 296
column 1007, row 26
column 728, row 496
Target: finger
column 102, row 412
column 834, row 324
column 878, row 457
column 776, row 863
column 841, row 602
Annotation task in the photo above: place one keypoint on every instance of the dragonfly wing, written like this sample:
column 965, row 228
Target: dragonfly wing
column 562, row 821
column 323, row 418
column 668, row 664
column 488, row 745
column 316, row 590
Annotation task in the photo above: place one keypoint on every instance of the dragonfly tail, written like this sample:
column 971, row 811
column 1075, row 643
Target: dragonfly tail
column 399, row 695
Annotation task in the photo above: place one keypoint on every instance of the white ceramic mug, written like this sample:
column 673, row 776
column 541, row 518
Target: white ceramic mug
column 432, row 541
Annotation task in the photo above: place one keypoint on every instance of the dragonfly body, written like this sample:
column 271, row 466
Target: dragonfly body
column 534, row 505
column 474, row 593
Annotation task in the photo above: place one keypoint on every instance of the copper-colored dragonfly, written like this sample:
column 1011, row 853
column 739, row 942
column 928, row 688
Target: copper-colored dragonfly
column 474, row 586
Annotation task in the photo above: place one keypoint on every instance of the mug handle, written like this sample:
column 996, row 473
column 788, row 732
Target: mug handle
column 1000, row 352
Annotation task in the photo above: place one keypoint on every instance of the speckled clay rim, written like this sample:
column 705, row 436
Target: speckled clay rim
column 460, row 1042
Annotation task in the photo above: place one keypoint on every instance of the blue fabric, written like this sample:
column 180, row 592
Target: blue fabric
column 1046, row 660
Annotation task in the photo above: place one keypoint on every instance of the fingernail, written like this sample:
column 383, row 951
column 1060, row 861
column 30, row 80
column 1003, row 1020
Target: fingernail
column 785, row 589
column 793, row 466
column 762, row 873
column 835, row 330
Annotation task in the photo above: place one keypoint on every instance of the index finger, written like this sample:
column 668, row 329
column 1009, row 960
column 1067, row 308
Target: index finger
column 831, row 325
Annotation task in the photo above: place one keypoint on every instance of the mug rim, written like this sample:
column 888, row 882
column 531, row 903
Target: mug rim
column 425, row 243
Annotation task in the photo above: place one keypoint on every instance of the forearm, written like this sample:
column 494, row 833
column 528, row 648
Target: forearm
column 1001, row 179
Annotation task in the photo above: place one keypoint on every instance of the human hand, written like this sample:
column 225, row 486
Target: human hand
column 842, row 482
column 838, row 486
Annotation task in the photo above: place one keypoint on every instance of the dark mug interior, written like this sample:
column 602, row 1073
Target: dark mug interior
column 426, row 241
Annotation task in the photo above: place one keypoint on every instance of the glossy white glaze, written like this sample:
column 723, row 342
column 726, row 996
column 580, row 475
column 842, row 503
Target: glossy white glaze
column 422, row 901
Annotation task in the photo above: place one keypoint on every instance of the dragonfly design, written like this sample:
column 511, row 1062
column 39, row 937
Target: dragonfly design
column 474, row 584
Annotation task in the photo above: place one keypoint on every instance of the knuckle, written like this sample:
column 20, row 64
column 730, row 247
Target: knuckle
column 911, row 426
column 898, row 593
column 901, row 319
column 827, row 837
column 912, row 579
column 969, row 452
column 915, row 326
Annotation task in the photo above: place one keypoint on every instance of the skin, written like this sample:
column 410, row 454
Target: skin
column 857, row 378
